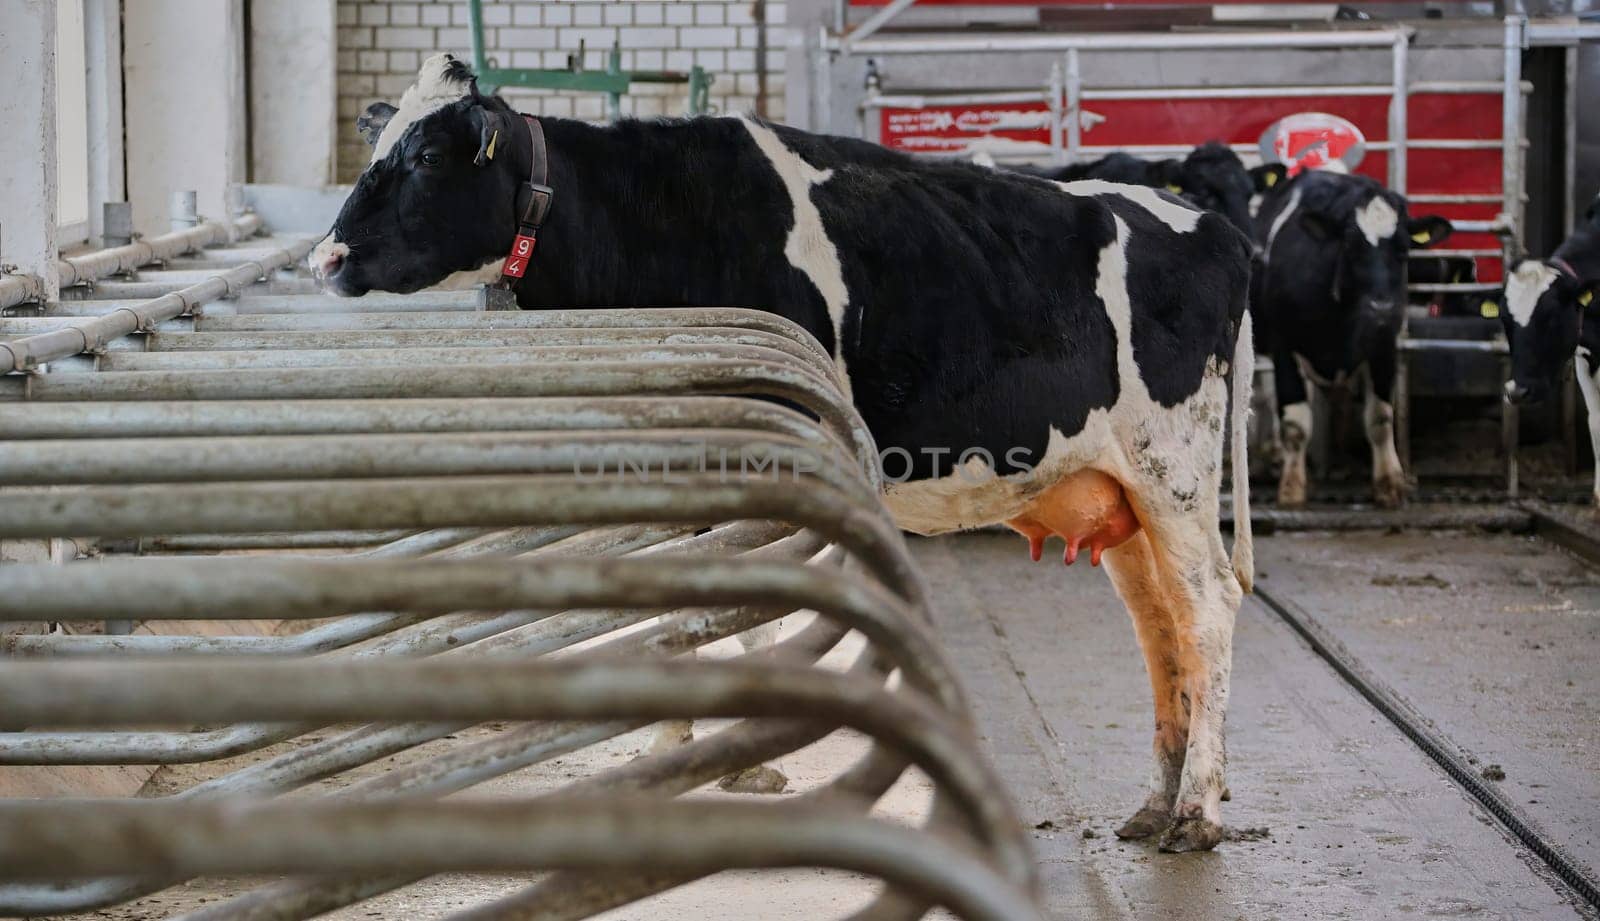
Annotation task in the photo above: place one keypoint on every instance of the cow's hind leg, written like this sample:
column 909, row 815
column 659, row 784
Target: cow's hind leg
column 761, row 778
column 1194, row 573
column 1294, row 428
column 1133, row 571
column 1584, row 367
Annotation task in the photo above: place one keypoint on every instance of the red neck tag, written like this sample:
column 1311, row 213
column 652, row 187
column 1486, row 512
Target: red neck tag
column 517, row 263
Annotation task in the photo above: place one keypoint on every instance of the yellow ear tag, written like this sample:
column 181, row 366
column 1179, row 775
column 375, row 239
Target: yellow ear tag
column 1489, row 309
column 1175, row 189
column 1421, row 236
column 1272, row 180
column 493, row 139
column 1585, row 298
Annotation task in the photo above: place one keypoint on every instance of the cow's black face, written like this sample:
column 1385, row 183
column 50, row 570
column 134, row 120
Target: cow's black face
column 432, row 206
column 1371, row 240
column 1214, row 178
column 1541, row 309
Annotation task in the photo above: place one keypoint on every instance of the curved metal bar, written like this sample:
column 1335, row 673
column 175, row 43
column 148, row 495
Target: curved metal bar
column 117, row 362
column 310, row 588
column 662, row 455
column 104, row 693
column 484, row 338
column 290, row 837
column 516, row 380
column 604, row 318
column 505, row 501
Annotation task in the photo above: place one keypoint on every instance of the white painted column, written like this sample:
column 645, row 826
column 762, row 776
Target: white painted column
column 28, row 140
column 183, row 82
column 293, row 96
column 102, row 32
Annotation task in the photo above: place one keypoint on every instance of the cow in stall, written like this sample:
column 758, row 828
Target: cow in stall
column 1331, row 296
column 1447, row 270
column 1550, row 311
column 1211, row 176
column 1082, row 336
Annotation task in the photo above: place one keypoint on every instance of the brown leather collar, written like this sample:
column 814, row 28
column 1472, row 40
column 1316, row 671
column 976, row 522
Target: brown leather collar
column 533, row 204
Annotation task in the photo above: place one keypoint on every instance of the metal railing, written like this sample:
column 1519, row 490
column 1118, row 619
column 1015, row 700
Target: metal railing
column 479, row 516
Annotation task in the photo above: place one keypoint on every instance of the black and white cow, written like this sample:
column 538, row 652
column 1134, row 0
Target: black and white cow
column 1550, row 310
column 1211, row 176
column 1331, row 295
column 1080, row 335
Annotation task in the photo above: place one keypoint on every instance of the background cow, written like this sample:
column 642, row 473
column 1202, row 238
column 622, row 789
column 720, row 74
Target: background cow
column 1332, row 295
column 1549, row 311
column 1211, row 176
column 1079, row 336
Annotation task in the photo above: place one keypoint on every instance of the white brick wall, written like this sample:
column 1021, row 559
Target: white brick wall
column 382, row 41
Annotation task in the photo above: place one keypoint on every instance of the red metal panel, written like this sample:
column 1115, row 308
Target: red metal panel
column 1127, row 122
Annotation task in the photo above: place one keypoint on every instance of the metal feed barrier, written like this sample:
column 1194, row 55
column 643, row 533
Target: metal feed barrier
column 422, row 479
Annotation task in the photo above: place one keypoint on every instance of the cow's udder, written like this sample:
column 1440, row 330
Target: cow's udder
column 1086, row 507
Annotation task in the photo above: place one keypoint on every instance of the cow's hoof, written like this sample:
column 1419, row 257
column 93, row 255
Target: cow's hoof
column 1389, row 493
column 668, row 737
column 1227, row 794
column 1185, row 835
column 758, row 779
column 1146, row 823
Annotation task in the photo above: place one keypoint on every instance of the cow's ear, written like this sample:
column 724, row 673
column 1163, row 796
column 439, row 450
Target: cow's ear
column 1428, row 230
column 1167, row 174
column 372, row 122
column 1587, row 292
column 491, row 128
column 1269, row 176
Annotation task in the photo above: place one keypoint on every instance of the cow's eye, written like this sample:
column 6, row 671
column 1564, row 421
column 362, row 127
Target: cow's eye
column 431, row 159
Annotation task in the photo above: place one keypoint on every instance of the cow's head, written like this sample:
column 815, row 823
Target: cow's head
column 1545, row 305
column 1361, row 240
column 439, row 196
column 1212, row 177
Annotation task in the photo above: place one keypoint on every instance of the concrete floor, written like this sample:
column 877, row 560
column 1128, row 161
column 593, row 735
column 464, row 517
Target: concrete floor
column 1361, row 824
column 1492, row 636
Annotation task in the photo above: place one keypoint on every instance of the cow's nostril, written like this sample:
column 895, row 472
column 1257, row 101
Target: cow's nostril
column 330, row 264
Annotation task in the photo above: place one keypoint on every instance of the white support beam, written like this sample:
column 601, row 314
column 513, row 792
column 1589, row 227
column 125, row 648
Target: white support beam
column 183, row 73
column 293, row 92
column 102, row 32
column 28, row 141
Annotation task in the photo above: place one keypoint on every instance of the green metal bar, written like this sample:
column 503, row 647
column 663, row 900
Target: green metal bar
column 613, row 81
column 480, row 61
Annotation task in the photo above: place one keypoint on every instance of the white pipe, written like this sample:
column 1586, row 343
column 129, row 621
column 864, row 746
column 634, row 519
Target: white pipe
column 27, row 353
column 117, row 259
column 968, row 44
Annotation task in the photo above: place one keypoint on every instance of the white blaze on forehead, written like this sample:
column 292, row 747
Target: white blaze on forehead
column 1181, row 218
column 436, row 87
column 1528, row 282
column 808, row 249
column 1378, row 220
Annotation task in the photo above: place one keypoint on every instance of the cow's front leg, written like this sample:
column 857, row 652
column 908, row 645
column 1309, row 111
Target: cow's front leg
column 1388, row 480
column 1590, row 388
column 1294, row 428
column 1133, row 571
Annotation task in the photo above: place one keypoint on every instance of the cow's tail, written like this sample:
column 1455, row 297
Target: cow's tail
column 1244, row 371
